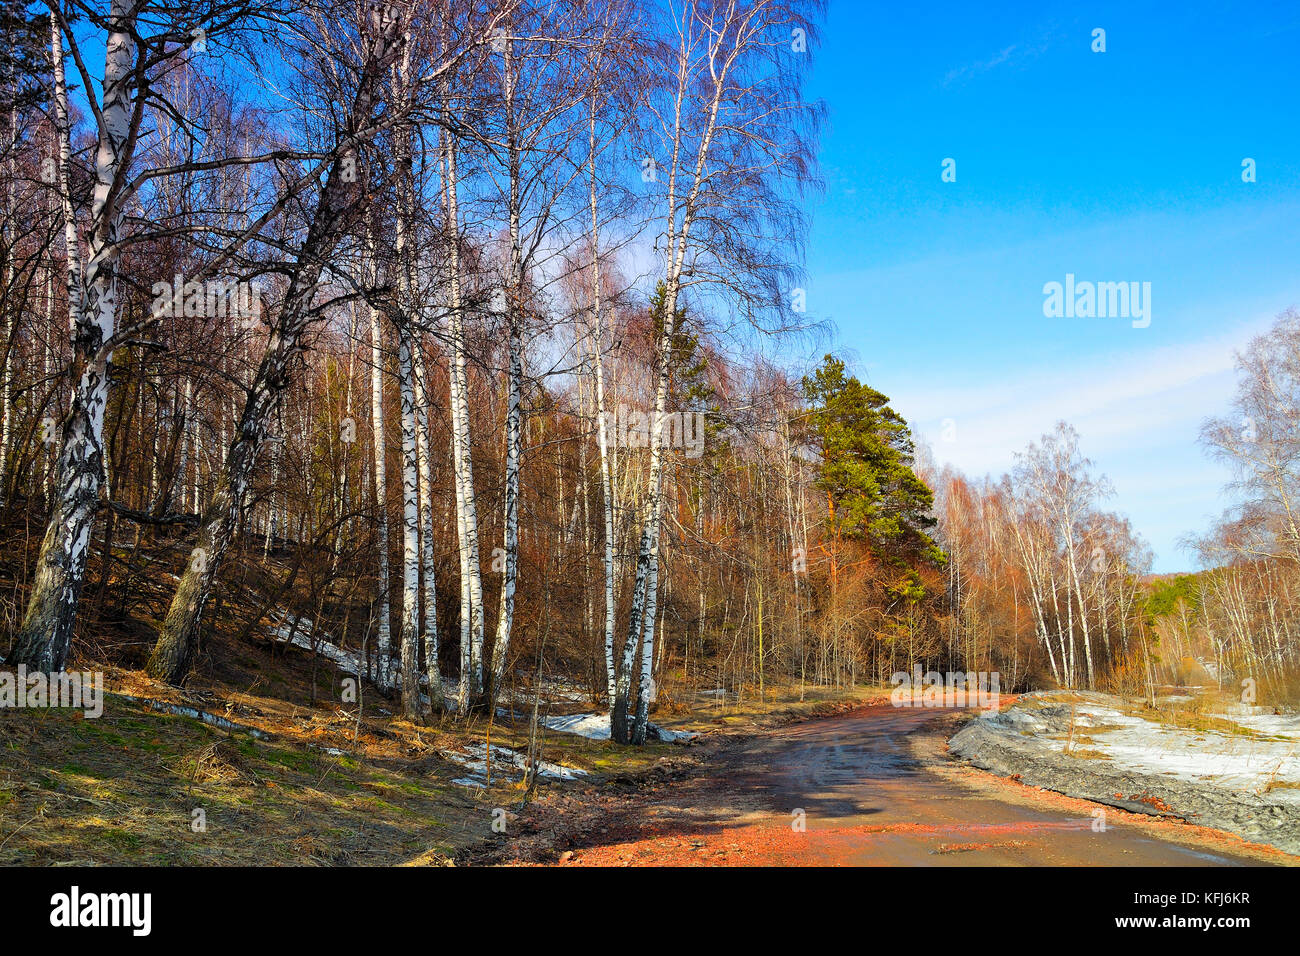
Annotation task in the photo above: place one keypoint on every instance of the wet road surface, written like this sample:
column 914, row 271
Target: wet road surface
column 874, row 788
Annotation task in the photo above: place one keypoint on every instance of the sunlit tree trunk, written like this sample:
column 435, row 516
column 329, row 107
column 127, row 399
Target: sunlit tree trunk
column 471, row 611
column 383, row 626
column 433, row 669
column 607, row 452
column 408, row 344
column 678, row 231
column 410, row 530
column 178, row 639
column 514, row 388
column 45, row 634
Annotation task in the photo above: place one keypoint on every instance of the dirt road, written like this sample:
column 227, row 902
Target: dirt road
column 876, row 788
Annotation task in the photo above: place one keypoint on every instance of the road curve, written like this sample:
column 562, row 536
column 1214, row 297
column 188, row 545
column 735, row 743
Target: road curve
column 874, row 788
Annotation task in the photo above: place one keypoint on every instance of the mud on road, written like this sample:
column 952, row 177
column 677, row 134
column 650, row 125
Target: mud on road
column 875, row 787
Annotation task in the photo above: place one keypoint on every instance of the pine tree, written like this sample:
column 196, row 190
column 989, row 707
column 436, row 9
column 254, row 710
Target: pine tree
column 866, row 470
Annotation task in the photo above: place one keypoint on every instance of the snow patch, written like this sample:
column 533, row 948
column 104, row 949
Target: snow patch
column 1246, row 782
column 504, row 760
column 597, row 727
column 591, row 726
column 1272, row 725
column 212, row 720
column 1245, row 762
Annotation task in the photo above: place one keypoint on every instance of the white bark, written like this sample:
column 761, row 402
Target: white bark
column 514, row 387
column 437, row 692
column 410, row 531
column 384, row 640
column 46, row 631
column 471, row 611
column 607, row 453
column 63, row 134
column 407, row 344
column 10, row 319
column 678, row 232
column 182, row 421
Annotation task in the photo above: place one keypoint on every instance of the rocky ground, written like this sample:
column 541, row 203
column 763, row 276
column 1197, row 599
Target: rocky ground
column 1238, row 772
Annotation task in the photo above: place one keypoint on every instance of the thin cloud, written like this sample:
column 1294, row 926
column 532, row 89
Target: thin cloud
column 1019, row 52
column 974, row 69
column 1117, row 401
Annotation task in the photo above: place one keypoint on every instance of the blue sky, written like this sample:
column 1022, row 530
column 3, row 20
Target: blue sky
column 1115, row 166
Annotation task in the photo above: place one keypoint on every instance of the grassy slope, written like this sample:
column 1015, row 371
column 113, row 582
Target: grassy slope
column 123, row 788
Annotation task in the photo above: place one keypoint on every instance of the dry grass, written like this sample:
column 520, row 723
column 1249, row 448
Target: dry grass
column 140, row 787
column 748, row 710
column 125, row 788
column 1086, row 754
column 1195, row 715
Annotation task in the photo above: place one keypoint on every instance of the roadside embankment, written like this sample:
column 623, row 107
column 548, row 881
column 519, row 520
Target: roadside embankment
column 1238, row 772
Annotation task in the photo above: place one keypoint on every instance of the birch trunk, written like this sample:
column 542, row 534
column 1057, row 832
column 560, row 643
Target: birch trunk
column 410, row 450
column 607, row 463
column 183, row 464
column 384, row 640
column 644, row 591
column 47, row 361
column 646, row 685
column 437, row 694
column 178, row 639
column 514, row 386
column 1078, row 591
column 45, row 634
column 471, row 611
column 510, row 533
column 647, row 565
column 410, row 531
column 196, row 448
column 63, row 133
column 10, row 340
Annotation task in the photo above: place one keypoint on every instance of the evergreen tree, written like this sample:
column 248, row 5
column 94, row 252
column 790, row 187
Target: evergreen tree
column 866, row 469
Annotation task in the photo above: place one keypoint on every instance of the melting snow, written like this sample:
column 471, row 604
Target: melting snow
column 596, row 727
column 214, row 720
column 593, row 726
column 1236, row 762
column 474, row 759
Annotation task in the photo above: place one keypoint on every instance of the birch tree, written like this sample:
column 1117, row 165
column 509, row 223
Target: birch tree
column 549, row 61
column 736, row 140
column 406, row 318
column 140, row 38
column 379, row 452
column 1260, row 442
column 471, row 581
column 178, row 638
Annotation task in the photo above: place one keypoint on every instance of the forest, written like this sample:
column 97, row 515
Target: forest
column 470, row 340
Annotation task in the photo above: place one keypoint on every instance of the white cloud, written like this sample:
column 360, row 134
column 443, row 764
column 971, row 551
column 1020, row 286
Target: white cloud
column 1129, row 402
column 1138, row 414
